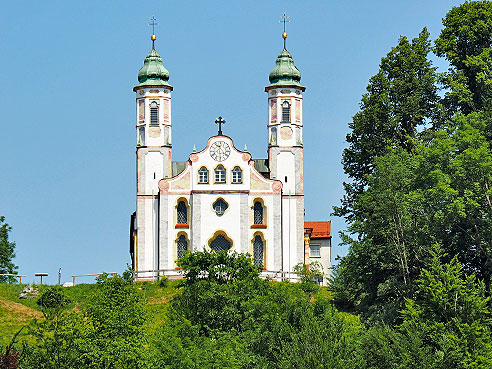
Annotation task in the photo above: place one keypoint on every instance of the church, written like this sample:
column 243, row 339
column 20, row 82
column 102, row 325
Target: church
column 221, row 198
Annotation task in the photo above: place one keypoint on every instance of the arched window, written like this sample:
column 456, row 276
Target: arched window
column 182, row 213
column 203, row 175
column 258, row 213
column 182, row 245
column 258, row 251
column 220, row 206
column 141, row 136
column 237, row 175
column 154, row 114
column 285, row 112
column 220, row 174
column 273, row 138
column 220, row 243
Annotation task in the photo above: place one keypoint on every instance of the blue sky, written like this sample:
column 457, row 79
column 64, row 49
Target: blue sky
column 68, row 116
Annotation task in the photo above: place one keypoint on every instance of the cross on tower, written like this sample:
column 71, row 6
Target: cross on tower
column 153, row 23
column 284, row 20
column 220, row 121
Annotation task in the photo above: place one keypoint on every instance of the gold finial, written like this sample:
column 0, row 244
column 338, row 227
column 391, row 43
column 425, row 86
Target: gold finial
column 153, row 23
column 284, row 20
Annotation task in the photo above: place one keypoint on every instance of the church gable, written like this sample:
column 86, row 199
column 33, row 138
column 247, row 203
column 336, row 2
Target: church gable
column 220, row 166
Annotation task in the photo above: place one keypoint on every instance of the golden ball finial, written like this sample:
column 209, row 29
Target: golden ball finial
column 284, row 35
column 153, row 37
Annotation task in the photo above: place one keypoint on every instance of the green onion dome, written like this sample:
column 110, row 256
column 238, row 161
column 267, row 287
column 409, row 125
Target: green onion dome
column 285, row 72
column 153, row 72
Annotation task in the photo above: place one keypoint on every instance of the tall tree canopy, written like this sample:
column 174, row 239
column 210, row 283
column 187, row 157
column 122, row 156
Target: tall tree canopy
column 411, row 188
column 401, row 97
column 466, row 42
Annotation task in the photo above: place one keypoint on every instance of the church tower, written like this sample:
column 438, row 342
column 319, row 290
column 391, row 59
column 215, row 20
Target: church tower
column 285, row 151
column 153, row 144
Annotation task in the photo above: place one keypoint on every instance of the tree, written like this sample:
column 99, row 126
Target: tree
column 114, row 334
column 439, row 193
column 454, row 182
column 217, row 287
column 6, row 251
column 377, row 273
column 311, row 275
column 220, row 267
column 318, row 336
column 466, row 42
column 452, row 312
column 107, row 332
column 400, row 98
column 384, row 347
column 57, row 337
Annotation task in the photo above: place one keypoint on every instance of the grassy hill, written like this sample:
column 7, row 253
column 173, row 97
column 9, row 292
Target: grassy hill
column 16, row 313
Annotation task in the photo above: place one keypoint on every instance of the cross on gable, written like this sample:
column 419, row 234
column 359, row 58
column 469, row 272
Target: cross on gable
column 220, row 121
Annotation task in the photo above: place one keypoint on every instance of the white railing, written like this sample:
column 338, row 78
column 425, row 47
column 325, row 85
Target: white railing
column 89, row 275
column 14, row 275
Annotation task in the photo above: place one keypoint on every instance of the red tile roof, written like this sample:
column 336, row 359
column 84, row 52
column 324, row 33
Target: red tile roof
column 320, row 229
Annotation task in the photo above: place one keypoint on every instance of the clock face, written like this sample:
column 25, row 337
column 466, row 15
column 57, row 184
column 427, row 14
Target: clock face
column 220, row 151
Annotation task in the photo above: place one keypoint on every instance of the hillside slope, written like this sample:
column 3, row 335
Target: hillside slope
column 16, row 313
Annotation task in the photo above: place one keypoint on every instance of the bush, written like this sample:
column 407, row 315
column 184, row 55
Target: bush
column 52, row 300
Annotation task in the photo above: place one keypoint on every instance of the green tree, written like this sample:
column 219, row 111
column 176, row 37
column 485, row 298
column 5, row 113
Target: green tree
column 466, row 42
column 452, row 313
column 220, row 267
column 311, row 275
column 217, row 287
column 107, row 333
column 179, row 344
column 377, row 273
column 57, row 337
column 318, row 336
column 440, row 192
column 114, row 334
column 454, row 183
column 57, row 342
column 6, row 251
column 400, row 98
column 384, row 347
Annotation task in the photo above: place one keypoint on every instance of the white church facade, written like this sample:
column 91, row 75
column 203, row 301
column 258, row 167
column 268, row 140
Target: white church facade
column 221, row 198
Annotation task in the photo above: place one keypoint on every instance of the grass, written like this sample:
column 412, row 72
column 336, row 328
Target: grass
column 16, row 313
